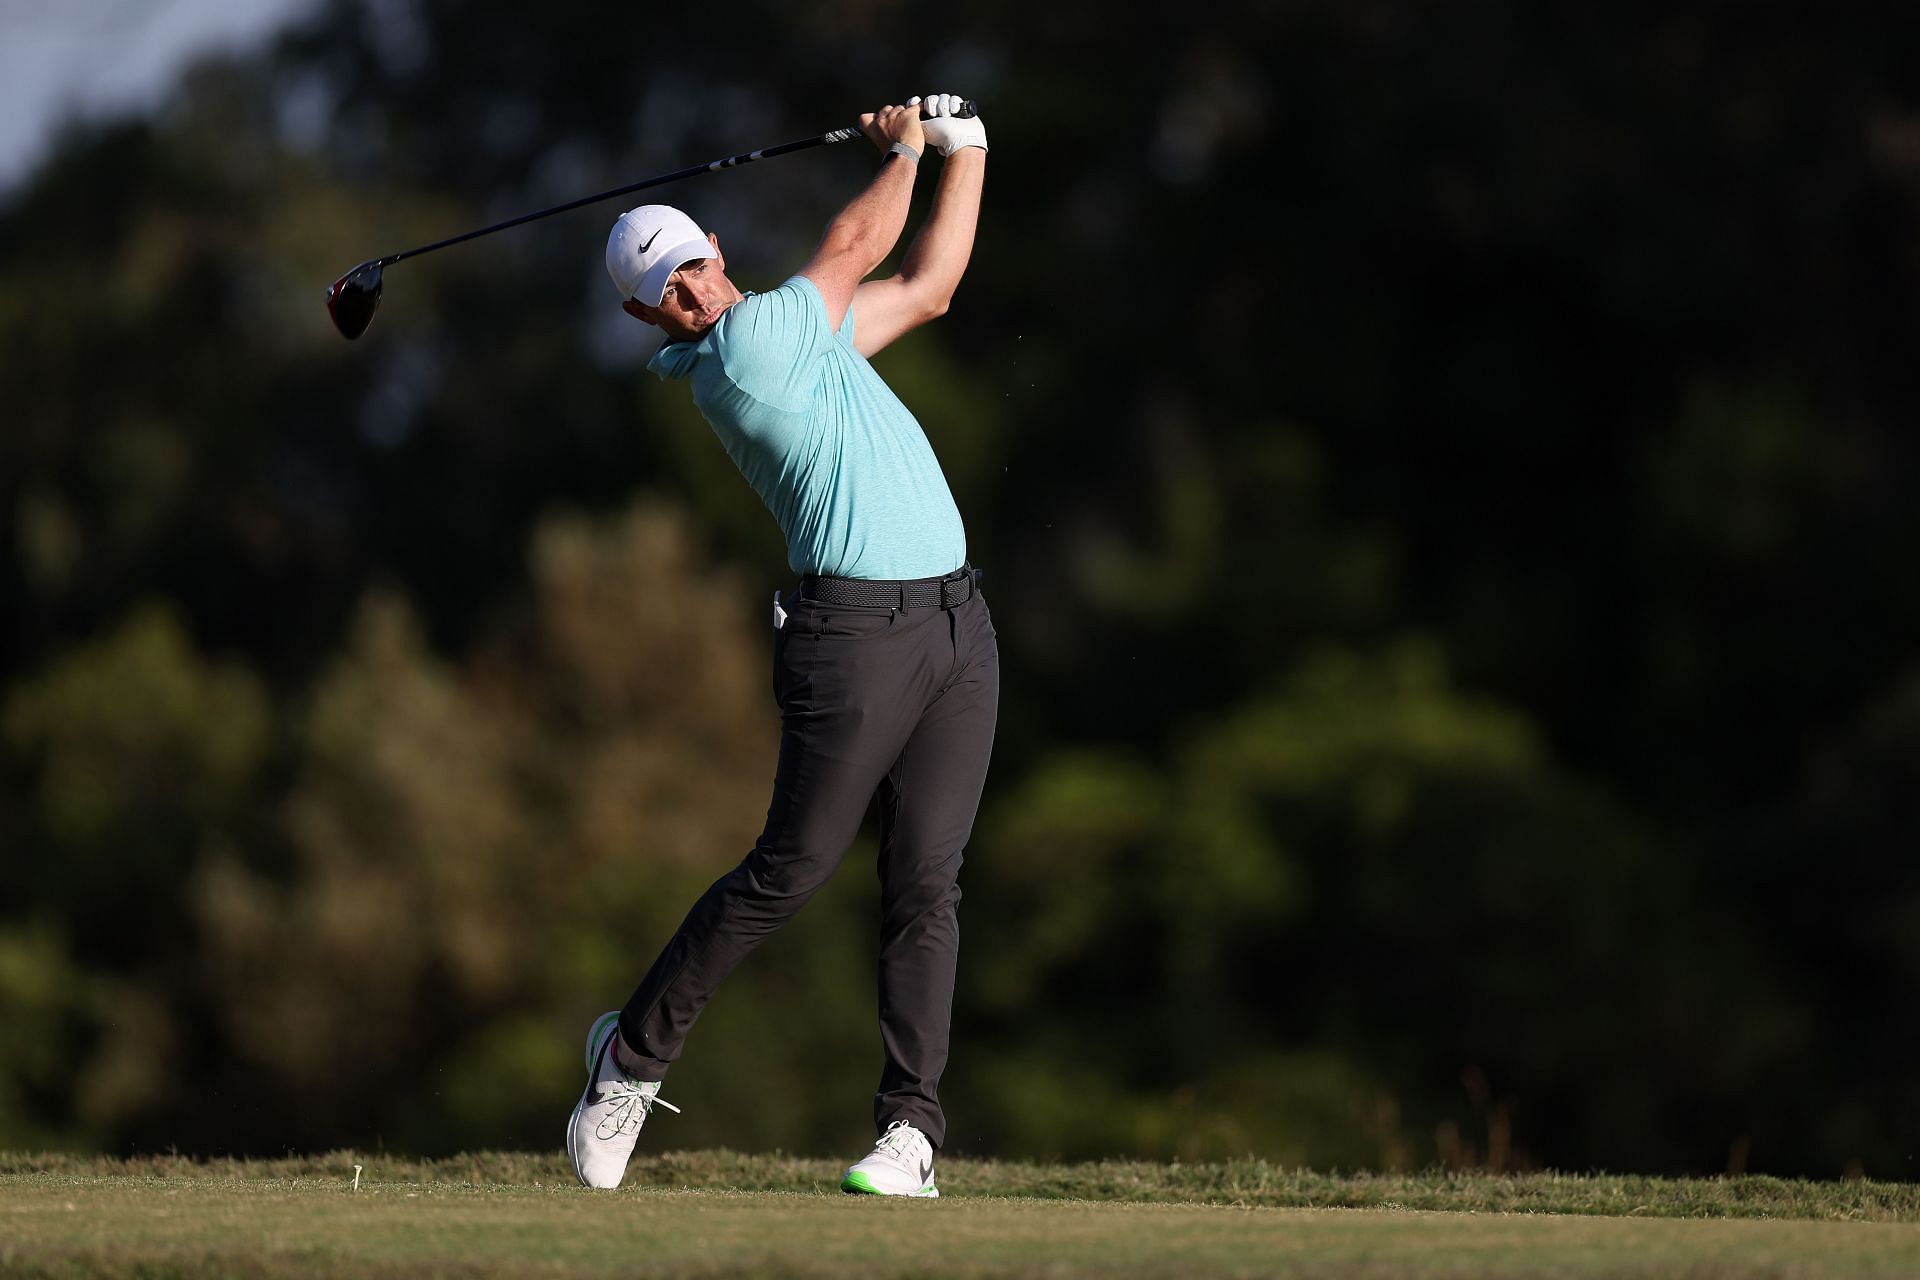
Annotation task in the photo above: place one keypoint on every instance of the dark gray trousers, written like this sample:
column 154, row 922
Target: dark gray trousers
column 893, row 705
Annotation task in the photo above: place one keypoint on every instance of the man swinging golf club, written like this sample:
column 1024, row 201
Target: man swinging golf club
column 885, row 666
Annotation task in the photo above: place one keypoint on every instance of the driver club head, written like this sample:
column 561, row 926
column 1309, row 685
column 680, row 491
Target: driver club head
column 353, row 299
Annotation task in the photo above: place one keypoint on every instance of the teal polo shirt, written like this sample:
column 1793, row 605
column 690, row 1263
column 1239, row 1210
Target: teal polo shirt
column 843, row 466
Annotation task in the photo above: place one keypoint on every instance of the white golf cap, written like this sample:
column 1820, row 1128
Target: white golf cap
column 649, row 244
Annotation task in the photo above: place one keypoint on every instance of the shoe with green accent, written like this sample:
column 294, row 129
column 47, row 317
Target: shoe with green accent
column 606, row 1121
column 901, row 1165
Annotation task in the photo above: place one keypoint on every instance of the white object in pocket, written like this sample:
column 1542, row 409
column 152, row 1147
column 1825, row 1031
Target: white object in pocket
column 779, row 613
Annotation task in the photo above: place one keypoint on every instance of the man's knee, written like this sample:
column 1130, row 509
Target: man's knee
column 777, row 874
column 916, row 888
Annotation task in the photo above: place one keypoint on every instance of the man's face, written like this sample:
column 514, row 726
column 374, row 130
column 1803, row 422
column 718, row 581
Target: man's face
column 695, row 296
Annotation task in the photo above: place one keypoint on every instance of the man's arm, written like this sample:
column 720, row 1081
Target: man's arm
column 934, row 263
column 864, row 233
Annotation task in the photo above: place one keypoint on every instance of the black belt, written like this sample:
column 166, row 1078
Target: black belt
column 914, row 593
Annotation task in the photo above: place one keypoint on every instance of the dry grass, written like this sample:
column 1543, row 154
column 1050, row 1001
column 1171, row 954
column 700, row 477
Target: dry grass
column 721, row 1213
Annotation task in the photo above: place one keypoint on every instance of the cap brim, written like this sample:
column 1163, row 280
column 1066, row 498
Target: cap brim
column 654, row 282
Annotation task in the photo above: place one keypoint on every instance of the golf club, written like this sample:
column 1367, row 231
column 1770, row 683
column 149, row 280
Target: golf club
column 355, row 296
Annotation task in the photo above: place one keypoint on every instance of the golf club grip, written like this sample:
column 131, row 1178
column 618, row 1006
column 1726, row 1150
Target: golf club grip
column 968, row 110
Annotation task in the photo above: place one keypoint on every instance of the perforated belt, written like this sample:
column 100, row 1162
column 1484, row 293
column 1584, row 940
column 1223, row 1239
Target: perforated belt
column 913, row 593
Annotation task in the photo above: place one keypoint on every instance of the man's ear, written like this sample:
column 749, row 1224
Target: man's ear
column 640, row 311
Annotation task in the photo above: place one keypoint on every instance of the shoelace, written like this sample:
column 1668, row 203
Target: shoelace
column 896, row 1141
column 634, row 1104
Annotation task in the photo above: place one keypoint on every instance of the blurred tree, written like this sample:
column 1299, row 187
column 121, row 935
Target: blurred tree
column 140, row 752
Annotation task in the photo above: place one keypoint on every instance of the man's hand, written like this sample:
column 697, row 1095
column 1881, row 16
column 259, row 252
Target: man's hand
column 944, row 129
column 891, row 124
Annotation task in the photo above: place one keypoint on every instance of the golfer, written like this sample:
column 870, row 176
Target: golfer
column 885, row 667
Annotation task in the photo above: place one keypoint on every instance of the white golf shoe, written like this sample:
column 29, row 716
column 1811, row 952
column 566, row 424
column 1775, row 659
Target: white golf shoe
column 901, row 1165
column 606, row 1121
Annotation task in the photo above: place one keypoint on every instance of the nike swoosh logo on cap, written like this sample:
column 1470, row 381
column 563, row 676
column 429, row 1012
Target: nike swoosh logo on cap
column 650, row 239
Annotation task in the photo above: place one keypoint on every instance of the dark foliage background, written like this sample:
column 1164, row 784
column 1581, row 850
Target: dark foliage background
column 1444, row 477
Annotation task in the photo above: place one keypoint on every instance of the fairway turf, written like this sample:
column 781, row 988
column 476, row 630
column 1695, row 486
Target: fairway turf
column 715, row 1214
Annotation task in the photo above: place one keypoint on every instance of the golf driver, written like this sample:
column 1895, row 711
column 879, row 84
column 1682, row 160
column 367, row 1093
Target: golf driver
column 355, row 296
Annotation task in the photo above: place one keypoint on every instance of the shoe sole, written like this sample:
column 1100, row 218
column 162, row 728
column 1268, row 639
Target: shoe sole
column 605, row 1025
column 858, row 1184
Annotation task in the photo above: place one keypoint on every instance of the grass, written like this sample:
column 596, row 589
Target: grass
column 723, row 1214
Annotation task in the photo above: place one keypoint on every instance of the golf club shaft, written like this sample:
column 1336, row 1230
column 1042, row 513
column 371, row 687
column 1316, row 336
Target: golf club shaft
column 746, row 157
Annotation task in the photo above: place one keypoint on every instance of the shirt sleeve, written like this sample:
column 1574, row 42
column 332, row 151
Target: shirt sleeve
column 772, row 344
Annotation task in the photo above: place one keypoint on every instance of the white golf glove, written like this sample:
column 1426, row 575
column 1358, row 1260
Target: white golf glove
column 946, row 131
